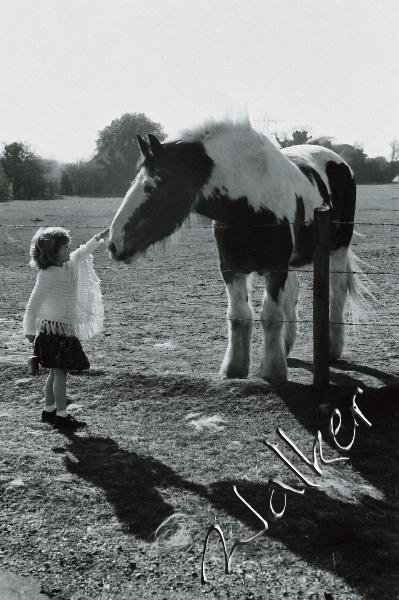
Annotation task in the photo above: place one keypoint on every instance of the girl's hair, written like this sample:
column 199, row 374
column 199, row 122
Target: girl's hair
column 45, row 245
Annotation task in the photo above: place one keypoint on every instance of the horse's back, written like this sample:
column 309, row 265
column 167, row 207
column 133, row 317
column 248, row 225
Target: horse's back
column 311, row 154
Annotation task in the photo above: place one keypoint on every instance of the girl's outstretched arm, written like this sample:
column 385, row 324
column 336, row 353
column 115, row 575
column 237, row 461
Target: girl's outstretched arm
column 102, row 235
column 89, row 246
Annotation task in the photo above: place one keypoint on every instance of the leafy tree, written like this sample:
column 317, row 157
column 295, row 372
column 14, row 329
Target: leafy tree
column 66, row 182
column 394, row 168
column 26, row 172
column 85, row 178
column 118, row 151
column 296, row 137
column 14, row 159
column 378, row 170
column 324, row 140
column 5, row 187
column 52, row 173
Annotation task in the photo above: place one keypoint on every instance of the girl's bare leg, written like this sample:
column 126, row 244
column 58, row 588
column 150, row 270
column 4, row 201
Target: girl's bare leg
column 59, row 390
column 48, row 390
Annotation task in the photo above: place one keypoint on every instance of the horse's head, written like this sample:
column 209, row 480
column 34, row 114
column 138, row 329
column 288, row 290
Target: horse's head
column 161, row 196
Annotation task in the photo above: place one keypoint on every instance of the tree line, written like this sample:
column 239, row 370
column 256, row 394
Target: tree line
column 26, row 176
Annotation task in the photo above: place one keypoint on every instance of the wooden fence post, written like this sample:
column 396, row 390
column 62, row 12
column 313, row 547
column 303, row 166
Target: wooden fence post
column 321, row 300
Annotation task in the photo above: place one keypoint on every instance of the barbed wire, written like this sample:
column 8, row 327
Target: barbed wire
column 290, row 270
column 255, row 226
column 224, row 319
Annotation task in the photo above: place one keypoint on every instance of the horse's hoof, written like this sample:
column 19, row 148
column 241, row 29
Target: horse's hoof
column 272, row 379
column 275, row 381
column 234, row 373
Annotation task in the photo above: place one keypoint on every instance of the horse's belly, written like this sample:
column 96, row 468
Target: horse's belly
column 253, row 248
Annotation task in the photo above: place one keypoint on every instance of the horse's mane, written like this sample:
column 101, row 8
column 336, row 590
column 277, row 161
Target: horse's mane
column 213, row 128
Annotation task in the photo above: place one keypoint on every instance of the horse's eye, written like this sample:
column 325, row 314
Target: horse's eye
column 148, row 189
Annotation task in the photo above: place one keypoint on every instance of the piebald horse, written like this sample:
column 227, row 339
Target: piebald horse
column 261, row 200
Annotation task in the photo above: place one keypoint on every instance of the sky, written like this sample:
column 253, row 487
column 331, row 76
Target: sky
column 69, row 67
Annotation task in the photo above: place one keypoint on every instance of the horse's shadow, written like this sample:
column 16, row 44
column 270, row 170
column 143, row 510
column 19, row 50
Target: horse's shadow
column 327, row 533
column 341, row 378
column 362, row 534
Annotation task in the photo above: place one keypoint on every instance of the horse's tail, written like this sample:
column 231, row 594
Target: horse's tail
column 360, row 289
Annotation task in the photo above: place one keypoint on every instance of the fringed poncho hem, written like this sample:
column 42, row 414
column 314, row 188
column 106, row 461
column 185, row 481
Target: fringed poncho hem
column 83, row 331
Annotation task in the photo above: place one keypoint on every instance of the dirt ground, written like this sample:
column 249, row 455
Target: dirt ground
column 168, row 440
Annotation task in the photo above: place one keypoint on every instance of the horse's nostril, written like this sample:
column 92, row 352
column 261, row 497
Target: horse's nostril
column 112, row 248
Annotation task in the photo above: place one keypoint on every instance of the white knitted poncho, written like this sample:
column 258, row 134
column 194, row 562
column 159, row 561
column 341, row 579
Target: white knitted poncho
column 67, row 300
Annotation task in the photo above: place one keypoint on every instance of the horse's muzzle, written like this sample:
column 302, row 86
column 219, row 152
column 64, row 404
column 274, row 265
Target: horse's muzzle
column 113, row 249
column 121, row 256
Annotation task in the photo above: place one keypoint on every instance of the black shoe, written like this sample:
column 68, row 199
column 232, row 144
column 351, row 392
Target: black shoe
column 49, row 417
column 68, row 423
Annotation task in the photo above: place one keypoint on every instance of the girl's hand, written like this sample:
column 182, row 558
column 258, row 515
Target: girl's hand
column 102, row 235
column 31, row 338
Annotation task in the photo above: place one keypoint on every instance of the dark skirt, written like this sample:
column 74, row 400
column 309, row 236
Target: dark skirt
column 56, row 351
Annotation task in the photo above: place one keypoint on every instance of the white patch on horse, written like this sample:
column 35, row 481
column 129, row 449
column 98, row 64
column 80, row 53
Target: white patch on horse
column 273, row 363
column 134, row 197
column 149, row 182
column 240, row 324
column 248, row 164
column 315, row 157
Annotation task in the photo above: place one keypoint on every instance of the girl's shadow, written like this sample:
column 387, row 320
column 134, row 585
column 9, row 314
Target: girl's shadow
column 130, row 481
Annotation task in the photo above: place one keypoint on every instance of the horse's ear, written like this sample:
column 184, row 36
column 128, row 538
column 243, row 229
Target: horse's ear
column 144, row 146
column 155, row 145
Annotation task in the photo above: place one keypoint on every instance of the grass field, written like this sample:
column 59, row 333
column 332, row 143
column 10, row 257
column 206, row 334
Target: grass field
column 167, row 439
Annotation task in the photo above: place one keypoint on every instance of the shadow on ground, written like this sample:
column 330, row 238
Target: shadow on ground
column 339, row 377
column 358, row 540
column 361, row 539
column 129, row 480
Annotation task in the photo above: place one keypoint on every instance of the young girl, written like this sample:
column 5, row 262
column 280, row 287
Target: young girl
column 65, row 305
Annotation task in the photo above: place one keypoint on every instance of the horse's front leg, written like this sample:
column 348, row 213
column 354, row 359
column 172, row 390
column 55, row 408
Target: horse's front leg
column 239, row 323
column 274, row 362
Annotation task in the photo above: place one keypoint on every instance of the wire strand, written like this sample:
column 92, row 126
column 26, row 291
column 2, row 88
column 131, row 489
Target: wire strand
column 188, row 226
column 290, row 270
column 214, row 317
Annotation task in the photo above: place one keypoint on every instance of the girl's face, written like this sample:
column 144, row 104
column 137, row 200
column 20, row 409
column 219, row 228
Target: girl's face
column 63, row 254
